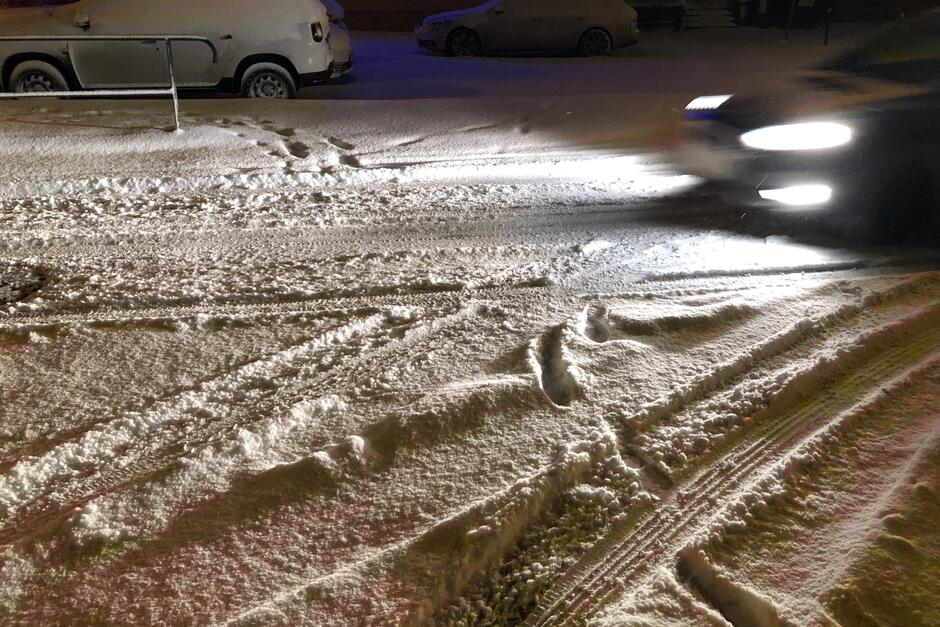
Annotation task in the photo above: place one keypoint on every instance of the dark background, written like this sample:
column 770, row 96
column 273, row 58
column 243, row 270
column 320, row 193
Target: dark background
column 361, row 14
column 403, row 15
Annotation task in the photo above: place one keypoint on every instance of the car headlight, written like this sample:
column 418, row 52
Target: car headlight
column 799, row 195
column 802, row 136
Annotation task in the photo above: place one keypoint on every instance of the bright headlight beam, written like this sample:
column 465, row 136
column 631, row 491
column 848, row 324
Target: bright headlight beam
column 799, row 195
column 803, row 136
column 707, row 103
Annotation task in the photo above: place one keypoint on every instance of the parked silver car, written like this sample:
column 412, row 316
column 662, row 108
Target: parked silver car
column 266, row 50
column 591, row 27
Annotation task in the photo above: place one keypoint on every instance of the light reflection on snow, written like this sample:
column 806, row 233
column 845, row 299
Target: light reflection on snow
column 624, row 173
column 716, row 253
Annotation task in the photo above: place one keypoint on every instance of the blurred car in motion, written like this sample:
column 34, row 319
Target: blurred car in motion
column 266, row 50
column 590, row 27
column 340, row 39
column 856, row 141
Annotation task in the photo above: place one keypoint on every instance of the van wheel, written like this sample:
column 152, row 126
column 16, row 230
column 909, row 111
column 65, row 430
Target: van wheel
column 463, row 42
column 37, row 76
column 268, row 80
column 595, row 42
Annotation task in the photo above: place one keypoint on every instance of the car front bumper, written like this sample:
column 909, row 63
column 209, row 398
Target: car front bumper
column 342, row 66
column 430, row 38
column 315, row 78
column 713, row 151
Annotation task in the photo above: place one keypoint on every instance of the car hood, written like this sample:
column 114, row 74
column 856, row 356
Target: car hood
column 30, row 21
column 813, row 94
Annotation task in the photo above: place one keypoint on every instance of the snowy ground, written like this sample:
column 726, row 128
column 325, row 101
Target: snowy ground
column 453, row 360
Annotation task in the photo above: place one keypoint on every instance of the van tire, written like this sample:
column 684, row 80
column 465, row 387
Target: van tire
column 595, row 42
column 37, row 76
column 268, row 80
column 463, row 42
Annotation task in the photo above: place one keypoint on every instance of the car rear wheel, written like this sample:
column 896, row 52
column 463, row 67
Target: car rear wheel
column 595, row 42
column 37, row 76
column 268, row 80
column 464, row 43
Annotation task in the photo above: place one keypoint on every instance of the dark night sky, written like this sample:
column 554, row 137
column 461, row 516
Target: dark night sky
column 355, row 5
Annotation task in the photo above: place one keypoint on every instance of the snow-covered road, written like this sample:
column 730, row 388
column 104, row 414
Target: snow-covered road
column 460, row 361
column 344, row 404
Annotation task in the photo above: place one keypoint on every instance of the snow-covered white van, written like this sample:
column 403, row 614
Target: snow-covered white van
column 266, row 49
column 591, row 27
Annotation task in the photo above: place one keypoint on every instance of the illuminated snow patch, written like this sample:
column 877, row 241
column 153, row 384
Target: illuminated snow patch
column 799, row 195
column 596, row 246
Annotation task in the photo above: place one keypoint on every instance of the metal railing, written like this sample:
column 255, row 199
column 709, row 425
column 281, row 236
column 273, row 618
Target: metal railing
column 172, row 90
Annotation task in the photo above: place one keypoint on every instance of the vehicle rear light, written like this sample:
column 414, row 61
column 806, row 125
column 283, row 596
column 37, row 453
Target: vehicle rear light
column 316, row 29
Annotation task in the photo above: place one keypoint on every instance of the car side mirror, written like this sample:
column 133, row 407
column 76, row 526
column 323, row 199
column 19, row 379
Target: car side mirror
column 498, row 10
column 82, row 21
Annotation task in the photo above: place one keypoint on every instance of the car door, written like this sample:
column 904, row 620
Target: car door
column 510, row 26
column 193, row 63
column 119, row 64
column 142, row 63
column 558, row 24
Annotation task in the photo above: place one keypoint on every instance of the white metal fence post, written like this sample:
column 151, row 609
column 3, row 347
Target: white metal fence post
column 176, row 100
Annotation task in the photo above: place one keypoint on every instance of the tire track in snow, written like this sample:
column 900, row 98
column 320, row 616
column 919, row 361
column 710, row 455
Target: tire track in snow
column 631, row 552
column 786, row 339
column 246, row 452
column 509, row 508
column 111, row 317
column 140, row 443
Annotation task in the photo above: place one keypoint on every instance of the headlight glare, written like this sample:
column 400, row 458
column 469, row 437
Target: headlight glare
column 802, row 136
column 799, row 195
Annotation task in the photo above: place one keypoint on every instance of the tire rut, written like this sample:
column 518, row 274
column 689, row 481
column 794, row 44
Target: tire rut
column 623, row 555
column 38, row 516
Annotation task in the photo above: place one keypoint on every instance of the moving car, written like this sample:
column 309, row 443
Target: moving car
column 339, row 38
column 591, row 27
column 857, row 141
column 266, row 50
